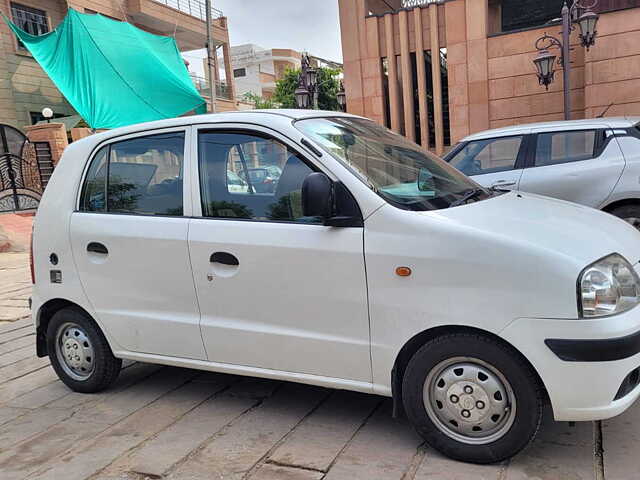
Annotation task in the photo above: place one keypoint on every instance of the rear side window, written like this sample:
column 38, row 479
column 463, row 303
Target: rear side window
column 564, row 147
column 143, row 175
column 488, row 156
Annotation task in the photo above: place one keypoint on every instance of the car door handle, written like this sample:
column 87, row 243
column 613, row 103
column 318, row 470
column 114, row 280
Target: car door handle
column 96, row 247
column 224, row 258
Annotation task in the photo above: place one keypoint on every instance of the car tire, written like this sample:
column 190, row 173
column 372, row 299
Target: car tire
column 628, row 213
column 472, row 398
column 79, row 352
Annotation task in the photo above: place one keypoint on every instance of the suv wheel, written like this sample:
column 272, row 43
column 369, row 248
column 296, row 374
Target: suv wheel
column 79, row 353
column 628, row 213
column 472, row 398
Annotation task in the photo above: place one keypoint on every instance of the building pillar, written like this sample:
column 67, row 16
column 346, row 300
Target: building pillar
column 422, row 80
column 407, row 77
column 373, row 90
column 216, row 67
column 437, row 78
column 352, row 47
column 228, row 71
column 477, row 12
column 54, row 133
column 392, row 70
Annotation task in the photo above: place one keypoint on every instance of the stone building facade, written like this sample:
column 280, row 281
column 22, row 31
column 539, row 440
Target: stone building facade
column 25, row 89
column 482, row 75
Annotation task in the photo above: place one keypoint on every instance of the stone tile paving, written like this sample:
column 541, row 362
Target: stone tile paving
column 15, row 231
column 179, row 424
column 15, row 286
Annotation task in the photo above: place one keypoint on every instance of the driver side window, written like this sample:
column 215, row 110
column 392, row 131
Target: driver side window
column 488, row 156
column 250, row 176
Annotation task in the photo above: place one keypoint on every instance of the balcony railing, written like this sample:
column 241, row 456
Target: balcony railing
column 195, row 8
column 202, row 85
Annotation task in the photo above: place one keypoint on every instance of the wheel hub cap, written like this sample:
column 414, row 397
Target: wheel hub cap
column 469, row 400
column 74, row 351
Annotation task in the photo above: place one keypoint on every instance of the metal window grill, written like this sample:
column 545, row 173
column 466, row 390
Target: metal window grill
column 31, row 20
column 416, row 3
column 195, row 8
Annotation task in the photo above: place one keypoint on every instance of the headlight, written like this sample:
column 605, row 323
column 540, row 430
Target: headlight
column 608, row 286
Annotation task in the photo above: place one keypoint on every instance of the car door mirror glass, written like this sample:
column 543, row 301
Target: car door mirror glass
column 317, row 192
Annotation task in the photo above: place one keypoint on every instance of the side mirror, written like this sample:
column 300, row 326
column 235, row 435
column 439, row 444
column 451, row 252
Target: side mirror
column 425, row 181
column 317, row 196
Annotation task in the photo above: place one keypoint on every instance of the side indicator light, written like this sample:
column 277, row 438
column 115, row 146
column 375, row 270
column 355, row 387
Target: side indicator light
column 403, row 271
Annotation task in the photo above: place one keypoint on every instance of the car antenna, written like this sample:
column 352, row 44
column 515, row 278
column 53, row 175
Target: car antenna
column 605, row 110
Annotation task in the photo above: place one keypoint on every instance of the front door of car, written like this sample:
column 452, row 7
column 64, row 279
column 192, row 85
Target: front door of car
column 581, row 166
column 129, row 240
column 277, row 290
column 492, row 162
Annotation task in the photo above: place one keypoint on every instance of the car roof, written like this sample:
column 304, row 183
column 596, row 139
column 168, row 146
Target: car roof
column 610, row 122
column 250, row 116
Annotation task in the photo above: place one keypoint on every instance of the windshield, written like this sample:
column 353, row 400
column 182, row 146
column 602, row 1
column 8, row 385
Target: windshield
column 392, row 166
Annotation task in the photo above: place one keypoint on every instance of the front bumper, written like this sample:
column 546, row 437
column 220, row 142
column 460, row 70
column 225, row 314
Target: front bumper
column 582, row 363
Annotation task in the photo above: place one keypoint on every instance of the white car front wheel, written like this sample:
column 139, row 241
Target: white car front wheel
column 472, row 397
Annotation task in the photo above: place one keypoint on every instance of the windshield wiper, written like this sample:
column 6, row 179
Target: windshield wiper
column 469, row 194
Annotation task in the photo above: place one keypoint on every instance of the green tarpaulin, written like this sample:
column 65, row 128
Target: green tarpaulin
column 113, row 73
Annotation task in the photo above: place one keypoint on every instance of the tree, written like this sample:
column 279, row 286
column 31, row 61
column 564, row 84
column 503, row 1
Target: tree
column 258, row 101
column 328, row 82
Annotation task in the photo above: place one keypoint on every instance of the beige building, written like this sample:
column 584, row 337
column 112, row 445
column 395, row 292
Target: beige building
column 256, row 69
column 438, row 70
column 24, row 87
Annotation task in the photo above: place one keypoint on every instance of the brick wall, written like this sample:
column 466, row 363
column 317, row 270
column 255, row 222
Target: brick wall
column 54, row 133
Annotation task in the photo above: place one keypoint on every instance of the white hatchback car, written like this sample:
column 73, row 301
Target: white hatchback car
column 372, row 266
column 594, row 162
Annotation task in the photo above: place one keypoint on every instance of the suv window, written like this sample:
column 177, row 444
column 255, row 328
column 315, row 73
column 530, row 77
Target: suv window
column 488, row 156
column 249, row 176
column 563, row 147
column 142, row 175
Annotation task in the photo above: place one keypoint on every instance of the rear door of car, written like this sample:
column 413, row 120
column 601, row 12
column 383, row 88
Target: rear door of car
column 492, row 162
column 129, row 241
column 581, row 165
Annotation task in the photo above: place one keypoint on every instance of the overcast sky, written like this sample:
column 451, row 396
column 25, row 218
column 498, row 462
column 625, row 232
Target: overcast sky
column 310, row 25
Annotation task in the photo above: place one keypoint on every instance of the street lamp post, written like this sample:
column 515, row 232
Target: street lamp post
column 306, row 94
column 307, row 91
column 587, row 19
column 341, row 96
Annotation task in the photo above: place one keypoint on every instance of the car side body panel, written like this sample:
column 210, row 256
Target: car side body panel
column 587, row 182
column 628, row 187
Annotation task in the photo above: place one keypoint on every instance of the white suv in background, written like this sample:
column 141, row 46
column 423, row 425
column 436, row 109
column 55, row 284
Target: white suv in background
column 594, row 162
column 369, row 265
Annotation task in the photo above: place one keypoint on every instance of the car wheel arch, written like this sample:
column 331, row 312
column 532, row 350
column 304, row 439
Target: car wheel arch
column 620, row 203
column 45, row 313
column 418, row 340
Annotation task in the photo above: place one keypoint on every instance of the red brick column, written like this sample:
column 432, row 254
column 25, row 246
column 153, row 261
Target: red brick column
column 54, row 133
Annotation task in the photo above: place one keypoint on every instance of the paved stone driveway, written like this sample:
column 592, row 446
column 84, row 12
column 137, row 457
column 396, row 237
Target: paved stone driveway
column 161, row 422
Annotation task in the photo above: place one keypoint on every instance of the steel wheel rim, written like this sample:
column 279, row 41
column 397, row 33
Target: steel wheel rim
column 74, row 351
column 469, row 400
column 633, row 221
